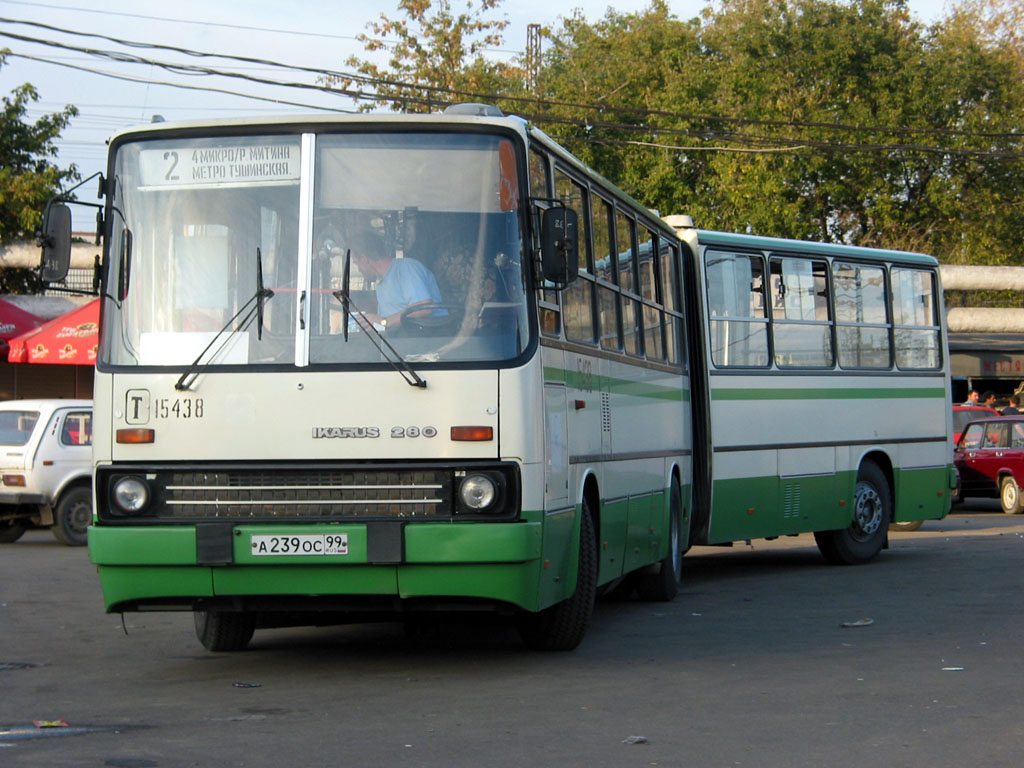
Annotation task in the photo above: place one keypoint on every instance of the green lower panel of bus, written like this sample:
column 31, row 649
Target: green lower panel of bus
column 499, row 561
column 515, row 583
column 762, row 507
column 269, row 544
column 922, row 494
column 759, row 507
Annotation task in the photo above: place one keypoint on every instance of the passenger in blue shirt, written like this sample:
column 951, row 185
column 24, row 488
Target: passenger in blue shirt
column 401, row 283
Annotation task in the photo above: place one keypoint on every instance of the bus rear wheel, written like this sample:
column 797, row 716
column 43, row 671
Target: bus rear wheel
column 562, row 626
column 224, row 630
column 872, row 512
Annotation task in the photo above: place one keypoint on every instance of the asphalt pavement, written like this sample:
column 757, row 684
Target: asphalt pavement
column 768, row 657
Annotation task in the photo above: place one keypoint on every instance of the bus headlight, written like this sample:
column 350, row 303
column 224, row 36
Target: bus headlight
column 478, row 492
column 131, row 495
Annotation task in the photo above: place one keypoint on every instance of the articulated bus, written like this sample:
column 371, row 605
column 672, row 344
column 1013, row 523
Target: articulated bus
column 374, row 367
column 822, row 404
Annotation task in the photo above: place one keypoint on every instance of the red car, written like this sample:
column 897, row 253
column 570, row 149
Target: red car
column 990, row 460
column 964, row 413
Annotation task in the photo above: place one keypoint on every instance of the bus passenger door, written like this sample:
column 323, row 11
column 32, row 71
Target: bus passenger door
column 559, row 509
column 556, row 446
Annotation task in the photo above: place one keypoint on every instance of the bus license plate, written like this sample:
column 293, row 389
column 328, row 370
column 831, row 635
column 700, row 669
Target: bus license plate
column 300, row 544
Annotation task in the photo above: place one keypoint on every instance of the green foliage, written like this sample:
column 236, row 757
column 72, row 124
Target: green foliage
column 811, row 119
column 436, row 54
column 27, row 176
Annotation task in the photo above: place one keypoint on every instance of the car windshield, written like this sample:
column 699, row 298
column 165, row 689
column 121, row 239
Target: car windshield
column 961, row 418
column 16, row 426
column 415, row 236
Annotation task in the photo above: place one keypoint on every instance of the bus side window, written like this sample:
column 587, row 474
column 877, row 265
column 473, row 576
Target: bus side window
column 630, row 307
column 801, row 328
column 668, row 285
column 916, row 326
column 736, row 310
column 604, row 271
column 653, row 320
column 538, row 174
column 578, row 298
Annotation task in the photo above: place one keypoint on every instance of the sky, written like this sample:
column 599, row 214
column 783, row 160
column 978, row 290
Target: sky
column 319, row 34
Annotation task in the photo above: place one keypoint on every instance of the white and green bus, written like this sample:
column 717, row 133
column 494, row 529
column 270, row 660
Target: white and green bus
column 341, row 377
column 366, row 367
column 822, row 401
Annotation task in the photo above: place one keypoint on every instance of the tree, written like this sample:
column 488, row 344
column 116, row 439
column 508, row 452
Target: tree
column 811, row 119
column 27, row 176
column 436, row 57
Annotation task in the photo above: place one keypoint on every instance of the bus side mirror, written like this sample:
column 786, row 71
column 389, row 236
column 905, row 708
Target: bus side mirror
column 56, row 242
column 559, row 245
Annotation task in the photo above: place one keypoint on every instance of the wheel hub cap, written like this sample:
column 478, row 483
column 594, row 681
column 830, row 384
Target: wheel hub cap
column 867, row 512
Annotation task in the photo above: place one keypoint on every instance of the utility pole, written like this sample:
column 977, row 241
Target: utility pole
column 533, row 57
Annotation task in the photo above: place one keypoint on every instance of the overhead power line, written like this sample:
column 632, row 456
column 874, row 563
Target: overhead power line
column 702, row 134
column 126, row 15
column 445, row 95
column 150, row 81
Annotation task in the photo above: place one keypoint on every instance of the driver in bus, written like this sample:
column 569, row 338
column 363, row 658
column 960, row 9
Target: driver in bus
column 400, row 283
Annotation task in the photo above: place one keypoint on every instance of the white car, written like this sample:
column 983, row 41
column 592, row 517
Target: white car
column 46, row 468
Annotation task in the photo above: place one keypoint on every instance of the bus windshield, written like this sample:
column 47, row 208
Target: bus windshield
column 306, row 250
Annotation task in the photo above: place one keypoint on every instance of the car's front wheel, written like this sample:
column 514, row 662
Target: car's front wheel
column 1009, row 496
column 72, row 516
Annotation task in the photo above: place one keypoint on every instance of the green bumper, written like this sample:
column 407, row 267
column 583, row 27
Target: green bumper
column 496, row 561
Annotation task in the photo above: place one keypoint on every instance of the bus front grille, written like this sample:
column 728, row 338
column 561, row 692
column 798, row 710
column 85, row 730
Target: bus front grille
column 324, row 494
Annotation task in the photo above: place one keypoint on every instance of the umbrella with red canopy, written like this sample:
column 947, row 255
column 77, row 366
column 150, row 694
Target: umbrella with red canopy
column 70, row 339
column 14, row 321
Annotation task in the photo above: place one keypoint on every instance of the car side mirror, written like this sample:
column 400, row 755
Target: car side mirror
column 56, row 242
column 559, row 244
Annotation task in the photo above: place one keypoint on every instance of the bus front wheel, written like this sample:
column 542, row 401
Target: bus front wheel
column 12, row 530
column 872, row 512
column 224, row 630
column 660, row 582
column 562, row 626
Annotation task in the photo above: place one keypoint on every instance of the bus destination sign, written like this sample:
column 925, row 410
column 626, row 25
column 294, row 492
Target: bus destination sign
column 219, row 166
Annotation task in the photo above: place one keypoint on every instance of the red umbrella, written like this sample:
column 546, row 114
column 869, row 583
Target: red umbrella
column 70, row 339
column 14, row 321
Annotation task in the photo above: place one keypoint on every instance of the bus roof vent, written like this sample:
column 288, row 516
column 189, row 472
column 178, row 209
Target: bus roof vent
column 679, row 221
column 479, row 110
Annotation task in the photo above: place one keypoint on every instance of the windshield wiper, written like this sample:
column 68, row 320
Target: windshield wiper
column 252, row 310
column 346, row 311
column 397, row 362
column 262, row 295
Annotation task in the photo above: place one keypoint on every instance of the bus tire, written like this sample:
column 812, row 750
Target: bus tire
column 224, row 630
column 562, row 626
column 866, row 535
column 12, row 530
column 660, row 582
column 1009, row 496
column 72, row 516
